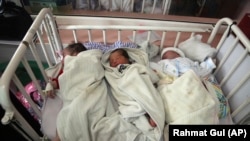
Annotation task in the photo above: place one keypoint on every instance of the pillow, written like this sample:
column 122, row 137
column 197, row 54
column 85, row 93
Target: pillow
column 196, row 50
column 96, row 45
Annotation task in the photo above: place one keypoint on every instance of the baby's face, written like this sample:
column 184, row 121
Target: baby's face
column 170, row 55
column 116, row 59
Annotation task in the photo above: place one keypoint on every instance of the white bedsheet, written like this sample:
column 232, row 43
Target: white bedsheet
column 51, row 108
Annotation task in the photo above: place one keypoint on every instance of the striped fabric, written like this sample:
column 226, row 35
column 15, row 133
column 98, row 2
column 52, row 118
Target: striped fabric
column 104, row 48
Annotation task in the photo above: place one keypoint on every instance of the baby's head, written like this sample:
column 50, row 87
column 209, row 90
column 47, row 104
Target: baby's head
column 117, row 57
column 171, row 53
column 73, row 49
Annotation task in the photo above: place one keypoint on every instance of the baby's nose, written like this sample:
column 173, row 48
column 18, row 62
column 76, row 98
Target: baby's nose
column 113, row 63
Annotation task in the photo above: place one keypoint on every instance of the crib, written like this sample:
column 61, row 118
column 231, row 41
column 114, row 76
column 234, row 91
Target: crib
column 49, row 34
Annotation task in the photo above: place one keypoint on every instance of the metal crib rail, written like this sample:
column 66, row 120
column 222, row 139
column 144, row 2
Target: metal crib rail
column 8, row 75
column 240, row 38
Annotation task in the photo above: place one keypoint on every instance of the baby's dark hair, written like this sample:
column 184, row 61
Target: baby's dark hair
column 122, row 52
column 76, row 48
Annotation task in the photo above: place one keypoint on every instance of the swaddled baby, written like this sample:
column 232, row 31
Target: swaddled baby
column 173, row 62
column 118, row 58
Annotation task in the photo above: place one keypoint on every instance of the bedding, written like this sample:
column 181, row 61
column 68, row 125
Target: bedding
column 139, row 98
column 78, row 95
column 149, row 47
column 50, row 110
column 106, row 47
column 186, row 100
column 120, row 86
column 224, row 109
column 86, row 113
column 141, row 54
column 52, row 106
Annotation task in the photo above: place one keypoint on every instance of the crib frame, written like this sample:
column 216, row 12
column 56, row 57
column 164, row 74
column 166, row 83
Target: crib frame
column 43, row 41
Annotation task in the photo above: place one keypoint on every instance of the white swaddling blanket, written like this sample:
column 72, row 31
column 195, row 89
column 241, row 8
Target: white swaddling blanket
column 136, row 95
column 187, row 101
column 87, row 113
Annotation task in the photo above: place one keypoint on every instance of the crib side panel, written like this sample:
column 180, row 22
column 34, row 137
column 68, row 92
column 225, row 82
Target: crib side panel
column 233, row 70
column 108, row 30
column 24, row 76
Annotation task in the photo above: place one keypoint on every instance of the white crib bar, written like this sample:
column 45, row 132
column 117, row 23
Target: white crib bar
column 177, row 39
column 47, row 29
column 153, row 8
column 75, row 36
column 32, row 75
column 241, row 38
column 241, row 107
column 45, row 50
column 119, row 35
column 238, row 86
column 33, row 49
column 166, row 4
column 233, row 68
column 149, row 35
column 54, row 33
column 27, row 138
column 5, row 81
column 223, row 38
column 163, row 39
column 24, row 93
column 143, row 5
column 231, row 27
column 134, row 35
column 104, row 36
column 9, row 74
column 89, row 35
column 132, row 4
column 227, row 54
column 32, row 134
column 192, row 34
column 120, row 27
